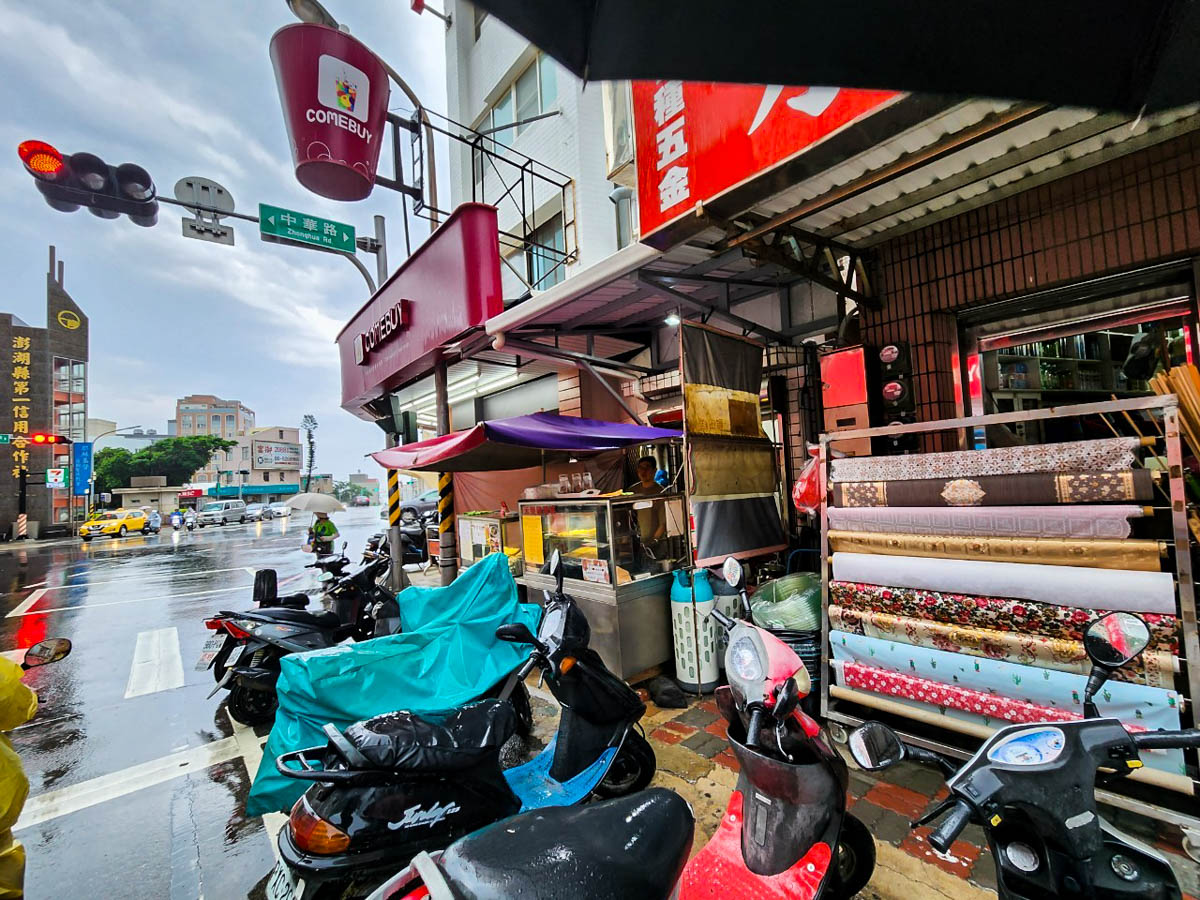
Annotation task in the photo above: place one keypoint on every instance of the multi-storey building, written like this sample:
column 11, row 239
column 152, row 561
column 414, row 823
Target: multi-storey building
column 45, row 375
column 200, row 414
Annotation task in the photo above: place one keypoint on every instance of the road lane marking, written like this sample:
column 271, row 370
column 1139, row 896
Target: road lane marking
column 23, row 607
column 251, row 748
column 142, row 579
column 64, row 801
column 239, row 587
column 251, row 570
column 157, row 664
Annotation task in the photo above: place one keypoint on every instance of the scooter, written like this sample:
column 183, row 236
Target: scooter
column 361, row 609
column 397, row 784
column 176, row 521
column 785, row 834
column 614, row 850
column 1032, row 789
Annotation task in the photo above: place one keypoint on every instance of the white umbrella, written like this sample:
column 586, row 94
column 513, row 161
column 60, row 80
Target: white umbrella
column 316, row 503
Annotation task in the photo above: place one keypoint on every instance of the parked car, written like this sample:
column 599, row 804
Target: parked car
column 255, row 511
column 277, row 510
column 222, row 512
column 116, row 523
column 411, row 510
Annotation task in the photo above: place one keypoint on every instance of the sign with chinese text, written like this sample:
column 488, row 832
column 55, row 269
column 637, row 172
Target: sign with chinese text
column 276, row 455
column 56, row 479
column 81, row 467
column 334, row 93
column 596, row 570
column 696, row 140
column 21, row 361
column 275, row 223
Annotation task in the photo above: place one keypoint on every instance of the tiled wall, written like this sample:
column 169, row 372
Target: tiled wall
column 1140, row 208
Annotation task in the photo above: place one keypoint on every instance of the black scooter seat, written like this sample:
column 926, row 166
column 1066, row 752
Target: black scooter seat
column 466, row 738
column 633, row 846
column 289, row 616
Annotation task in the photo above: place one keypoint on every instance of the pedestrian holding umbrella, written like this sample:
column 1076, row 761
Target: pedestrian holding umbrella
column 321, row 532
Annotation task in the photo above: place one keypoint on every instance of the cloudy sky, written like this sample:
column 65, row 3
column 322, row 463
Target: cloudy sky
column 187, row 88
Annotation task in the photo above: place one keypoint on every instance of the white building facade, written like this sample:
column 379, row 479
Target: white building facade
column 581, row 211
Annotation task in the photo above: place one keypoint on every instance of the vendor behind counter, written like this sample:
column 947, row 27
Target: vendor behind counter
column 652, row 522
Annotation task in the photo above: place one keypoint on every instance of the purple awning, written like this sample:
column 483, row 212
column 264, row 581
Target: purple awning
column 516, row 443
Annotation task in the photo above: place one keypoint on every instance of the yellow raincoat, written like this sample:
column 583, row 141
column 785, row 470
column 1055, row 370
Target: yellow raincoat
column 17, row 706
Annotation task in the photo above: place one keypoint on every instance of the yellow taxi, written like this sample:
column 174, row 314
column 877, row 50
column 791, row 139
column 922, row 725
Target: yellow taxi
column 116, row 523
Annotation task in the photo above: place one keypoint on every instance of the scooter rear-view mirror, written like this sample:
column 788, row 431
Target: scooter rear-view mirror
column 731, row 570
column 556, row 569
column 1116, row 639
column 874, row 746
column 516, row 633
column 46, row 652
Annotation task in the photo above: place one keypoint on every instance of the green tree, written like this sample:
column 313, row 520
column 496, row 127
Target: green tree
column 111, row 468
column 309, row 424
column 346, row 491
column 177, row 458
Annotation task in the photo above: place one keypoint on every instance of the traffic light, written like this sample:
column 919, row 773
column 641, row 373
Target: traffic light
column 41, row 437
column 84, row 179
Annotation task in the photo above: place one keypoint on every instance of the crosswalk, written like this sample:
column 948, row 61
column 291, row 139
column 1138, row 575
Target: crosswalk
column 157, row 663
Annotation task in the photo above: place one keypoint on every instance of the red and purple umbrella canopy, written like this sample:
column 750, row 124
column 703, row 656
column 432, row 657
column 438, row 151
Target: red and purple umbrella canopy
column 516, row 443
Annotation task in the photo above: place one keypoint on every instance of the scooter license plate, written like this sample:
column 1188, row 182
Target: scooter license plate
column 211, row 648
column 280, row 885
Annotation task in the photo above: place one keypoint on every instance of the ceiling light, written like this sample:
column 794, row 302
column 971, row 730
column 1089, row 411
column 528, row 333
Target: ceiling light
column 672, row 319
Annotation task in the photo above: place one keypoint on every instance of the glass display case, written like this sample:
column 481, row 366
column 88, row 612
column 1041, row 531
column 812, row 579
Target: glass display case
column 481, row 535
column 618, row 553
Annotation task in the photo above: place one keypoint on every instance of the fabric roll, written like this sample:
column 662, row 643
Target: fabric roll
column 1154, row 667
column 1141, row 556
column 1106, row 455
column 1000, row 490
column 1136, row 703
column 1152, row 592
column 1091, row 522
column 995, row 613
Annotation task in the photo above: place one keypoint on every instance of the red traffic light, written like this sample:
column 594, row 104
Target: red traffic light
column 41, row 160
column 41, row 437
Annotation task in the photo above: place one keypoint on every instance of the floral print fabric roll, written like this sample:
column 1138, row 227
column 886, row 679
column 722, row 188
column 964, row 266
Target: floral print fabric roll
column 996, row 613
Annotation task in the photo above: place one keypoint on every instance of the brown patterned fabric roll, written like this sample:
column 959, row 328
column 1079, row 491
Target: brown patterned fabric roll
column 1154, row 667
column 1140, row 556
column 1134, row 485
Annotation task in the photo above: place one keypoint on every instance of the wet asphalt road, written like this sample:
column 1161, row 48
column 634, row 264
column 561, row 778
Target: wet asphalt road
column 137, row 781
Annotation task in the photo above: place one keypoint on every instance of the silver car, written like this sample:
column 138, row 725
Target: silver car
column 277, row 510
column 255, row 511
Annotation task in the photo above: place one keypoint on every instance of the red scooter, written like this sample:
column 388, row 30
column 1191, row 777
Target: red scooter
column 785, row 834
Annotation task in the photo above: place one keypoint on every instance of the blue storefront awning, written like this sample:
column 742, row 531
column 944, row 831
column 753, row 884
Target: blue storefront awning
column 252, row 490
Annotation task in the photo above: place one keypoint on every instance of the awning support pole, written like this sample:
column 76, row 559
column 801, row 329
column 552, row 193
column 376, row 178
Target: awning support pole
column 616, row 395
column 447, row 552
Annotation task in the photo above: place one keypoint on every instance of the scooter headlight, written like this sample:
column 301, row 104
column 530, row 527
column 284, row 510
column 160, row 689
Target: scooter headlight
column 744, row 661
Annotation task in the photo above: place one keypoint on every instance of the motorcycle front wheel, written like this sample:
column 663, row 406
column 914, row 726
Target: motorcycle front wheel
column 631, row 771
column 252, row 707
column 854, row 861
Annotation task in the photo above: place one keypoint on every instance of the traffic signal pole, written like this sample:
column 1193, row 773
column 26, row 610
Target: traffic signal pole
column 22, row 517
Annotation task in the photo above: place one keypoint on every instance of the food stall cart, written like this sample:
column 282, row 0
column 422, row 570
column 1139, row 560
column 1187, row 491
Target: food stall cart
column 619, row 574
column 483, row 532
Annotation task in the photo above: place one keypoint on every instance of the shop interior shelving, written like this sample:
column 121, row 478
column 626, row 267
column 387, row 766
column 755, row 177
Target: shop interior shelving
column 847, row 707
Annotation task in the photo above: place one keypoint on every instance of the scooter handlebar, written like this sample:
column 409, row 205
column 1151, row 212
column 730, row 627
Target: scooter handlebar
column 1167, row 740
column 942, row 837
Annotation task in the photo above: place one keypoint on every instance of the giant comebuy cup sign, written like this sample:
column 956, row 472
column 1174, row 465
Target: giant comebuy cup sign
column 334, row 93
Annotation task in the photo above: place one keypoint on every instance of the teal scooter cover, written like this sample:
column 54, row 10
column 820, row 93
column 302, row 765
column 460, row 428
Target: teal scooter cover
column 446, row 655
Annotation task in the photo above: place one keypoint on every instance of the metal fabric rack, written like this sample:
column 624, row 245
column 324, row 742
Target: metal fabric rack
column 832, row 707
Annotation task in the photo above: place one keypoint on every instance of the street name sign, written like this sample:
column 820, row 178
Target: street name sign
column 278, row 224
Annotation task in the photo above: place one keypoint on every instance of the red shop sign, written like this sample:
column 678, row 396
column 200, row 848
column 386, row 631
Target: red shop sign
column 696, row 140
column 187, row 493
column 450, row 285
column 334, row 93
